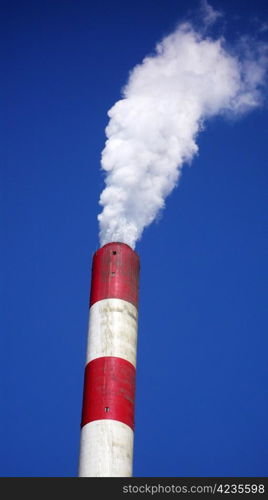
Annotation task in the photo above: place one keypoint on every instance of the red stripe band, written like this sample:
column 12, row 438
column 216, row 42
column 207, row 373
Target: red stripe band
column 109, row 390
column 115, row 274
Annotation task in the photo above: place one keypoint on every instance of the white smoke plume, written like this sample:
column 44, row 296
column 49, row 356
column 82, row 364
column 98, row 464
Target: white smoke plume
column 209, row 14
column 153, row 129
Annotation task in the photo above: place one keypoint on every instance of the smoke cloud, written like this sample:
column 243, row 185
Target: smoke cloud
column 153, row 129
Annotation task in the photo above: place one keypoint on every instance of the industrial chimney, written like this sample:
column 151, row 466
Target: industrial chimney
column 107, row 425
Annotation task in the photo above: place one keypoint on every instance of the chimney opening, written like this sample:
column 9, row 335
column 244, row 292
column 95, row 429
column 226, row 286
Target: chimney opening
column 114, row 252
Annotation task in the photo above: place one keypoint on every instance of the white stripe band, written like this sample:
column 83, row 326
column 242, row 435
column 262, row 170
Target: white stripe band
column 106, row 449
column 112, row 330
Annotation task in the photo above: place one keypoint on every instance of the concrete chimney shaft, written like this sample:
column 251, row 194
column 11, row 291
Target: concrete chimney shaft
column 107, row 427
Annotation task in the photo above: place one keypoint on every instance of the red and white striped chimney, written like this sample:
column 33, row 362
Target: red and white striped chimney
column 106, row 447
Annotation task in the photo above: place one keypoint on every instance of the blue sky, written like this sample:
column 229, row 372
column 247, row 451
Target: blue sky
column 201, row 398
